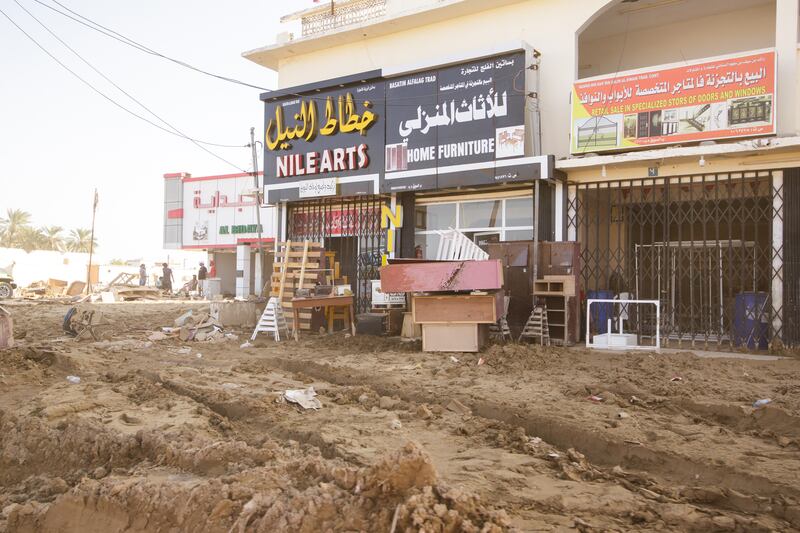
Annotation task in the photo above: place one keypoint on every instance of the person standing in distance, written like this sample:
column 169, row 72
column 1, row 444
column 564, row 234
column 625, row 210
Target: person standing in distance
column 202, row 275
column 166, row 282
column 142, row 275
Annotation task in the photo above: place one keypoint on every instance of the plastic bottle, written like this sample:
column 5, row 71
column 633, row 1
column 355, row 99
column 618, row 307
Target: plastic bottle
column 762, row 403
column 74, row 379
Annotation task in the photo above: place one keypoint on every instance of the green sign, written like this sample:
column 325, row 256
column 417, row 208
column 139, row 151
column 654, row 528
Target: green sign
column 241, row 228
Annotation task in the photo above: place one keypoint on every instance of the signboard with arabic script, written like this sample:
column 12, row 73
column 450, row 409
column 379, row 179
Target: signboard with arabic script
column 331, row 134
column 447, row 127
column 732, row 96
column 220, row 211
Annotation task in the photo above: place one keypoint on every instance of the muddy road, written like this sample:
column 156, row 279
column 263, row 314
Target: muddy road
column 173, row 436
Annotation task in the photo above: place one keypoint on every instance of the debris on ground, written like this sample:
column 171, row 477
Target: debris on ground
column 305, row 398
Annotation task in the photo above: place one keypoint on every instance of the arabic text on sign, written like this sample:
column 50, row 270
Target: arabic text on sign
column 449, row 113
column 221, row 200
column 340, row 116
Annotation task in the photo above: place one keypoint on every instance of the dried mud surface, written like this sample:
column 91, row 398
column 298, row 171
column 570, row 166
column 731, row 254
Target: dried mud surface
column 171, row 436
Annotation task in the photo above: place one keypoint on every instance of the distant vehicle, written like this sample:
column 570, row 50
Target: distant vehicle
column 7, row 284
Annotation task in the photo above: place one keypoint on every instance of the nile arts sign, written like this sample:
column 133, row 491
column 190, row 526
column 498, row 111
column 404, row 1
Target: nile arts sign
column 331, row 135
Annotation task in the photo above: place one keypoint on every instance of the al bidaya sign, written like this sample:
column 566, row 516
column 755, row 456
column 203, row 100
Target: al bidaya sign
column 453, row 126
column 220, row 211
column 716, row 98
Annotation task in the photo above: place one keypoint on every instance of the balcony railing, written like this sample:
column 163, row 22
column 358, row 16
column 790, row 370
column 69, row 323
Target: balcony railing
column 342, row 14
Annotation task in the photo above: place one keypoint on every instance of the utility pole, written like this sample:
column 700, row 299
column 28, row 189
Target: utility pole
column 91, row 247
column 258, row 209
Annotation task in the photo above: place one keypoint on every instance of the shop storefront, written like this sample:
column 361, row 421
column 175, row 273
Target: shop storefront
column 700, row 229
column 219, row 215
column 373, row 165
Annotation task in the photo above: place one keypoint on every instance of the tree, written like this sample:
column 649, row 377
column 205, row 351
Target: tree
column 12, row 225
column 29, row 238
column 79, row 240
column 54, row 239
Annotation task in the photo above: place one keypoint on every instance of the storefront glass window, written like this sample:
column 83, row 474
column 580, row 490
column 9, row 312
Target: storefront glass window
column 519, row 234
column 519, row 212
column 435, row 216
column 481, row 214
column 429, row 244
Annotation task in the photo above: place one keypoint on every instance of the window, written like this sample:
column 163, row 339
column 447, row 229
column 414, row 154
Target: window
column 435, row 216
column 480, row 214
column 429, row 243
column 519, row 234
column 519, row 212
column 482, row 221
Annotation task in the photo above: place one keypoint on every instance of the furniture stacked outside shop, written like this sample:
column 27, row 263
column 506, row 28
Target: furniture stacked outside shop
column 304, row 280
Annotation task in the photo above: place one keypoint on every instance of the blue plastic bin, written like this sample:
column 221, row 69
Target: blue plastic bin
column 751, row 320
column 601, row 312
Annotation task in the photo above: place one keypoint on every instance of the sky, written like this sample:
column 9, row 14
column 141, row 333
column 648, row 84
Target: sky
column 59, row 140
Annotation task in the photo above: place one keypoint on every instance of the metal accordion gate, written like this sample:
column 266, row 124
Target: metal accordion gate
column 351, row 229
column 709, row 247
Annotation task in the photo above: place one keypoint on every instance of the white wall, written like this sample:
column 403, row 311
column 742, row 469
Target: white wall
column 695, row 38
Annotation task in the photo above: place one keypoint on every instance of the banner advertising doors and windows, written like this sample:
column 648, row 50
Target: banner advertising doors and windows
column 715, row 98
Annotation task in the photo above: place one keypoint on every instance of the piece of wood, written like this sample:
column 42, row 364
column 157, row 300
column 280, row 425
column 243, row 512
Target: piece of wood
column 410, row 329
column 453, row 337
column 302, row 276
column 283, row 274
column 455, row 309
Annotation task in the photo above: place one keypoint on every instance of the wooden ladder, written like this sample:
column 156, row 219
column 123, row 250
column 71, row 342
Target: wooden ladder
column 536, row 327
column 500, row 331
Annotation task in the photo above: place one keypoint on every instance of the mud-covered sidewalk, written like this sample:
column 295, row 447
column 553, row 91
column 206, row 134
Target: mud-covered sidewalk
column 172, row 436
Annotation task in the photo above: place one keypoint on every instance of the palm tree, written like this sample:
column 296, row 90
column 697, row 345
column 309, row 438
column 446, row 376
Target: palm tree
column 29, row 238
column 15, row 220
column 55, row 241
column 79, row 240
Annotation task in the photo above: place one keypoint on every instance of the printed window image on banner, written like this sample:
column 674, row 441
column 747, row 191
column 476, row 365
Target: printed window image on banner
column 709, row 99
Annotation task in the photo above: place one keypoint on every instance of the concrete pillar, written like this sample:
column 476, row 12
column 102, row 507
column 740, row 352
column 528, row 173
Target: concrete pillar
column 257, row 279
column 242, row 271
column 786, row 17
column 558, row 211
column 776, row 291
column 407, row 231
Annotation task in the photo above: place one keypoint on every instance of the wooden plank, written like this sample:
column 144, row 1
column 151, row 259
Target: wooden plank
column 455, row 309
column 303, row 268
column 283, row 274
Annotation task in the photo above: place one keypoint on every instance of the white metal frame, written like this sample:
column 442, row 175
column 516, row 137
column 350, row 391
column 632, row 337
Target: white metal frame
column 590, row 344
column 454, row 245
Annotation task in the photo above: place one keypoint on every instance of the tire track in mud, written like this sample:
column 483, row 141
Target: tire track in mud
column 730, row 489
column 247, row 415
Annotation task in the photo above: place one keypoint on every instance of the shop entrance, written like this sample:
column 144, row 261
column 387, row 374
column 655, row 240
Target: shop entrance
column 350, row 232
column 701, row 245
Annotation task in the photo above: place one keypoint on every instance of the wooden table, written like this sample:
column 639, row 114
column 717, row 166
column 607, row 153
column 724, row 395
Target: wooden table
column 323, row 301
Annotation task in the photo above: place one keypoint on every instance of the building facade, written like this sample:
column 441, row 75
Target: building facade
column 218, row 215
column 672, row 126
